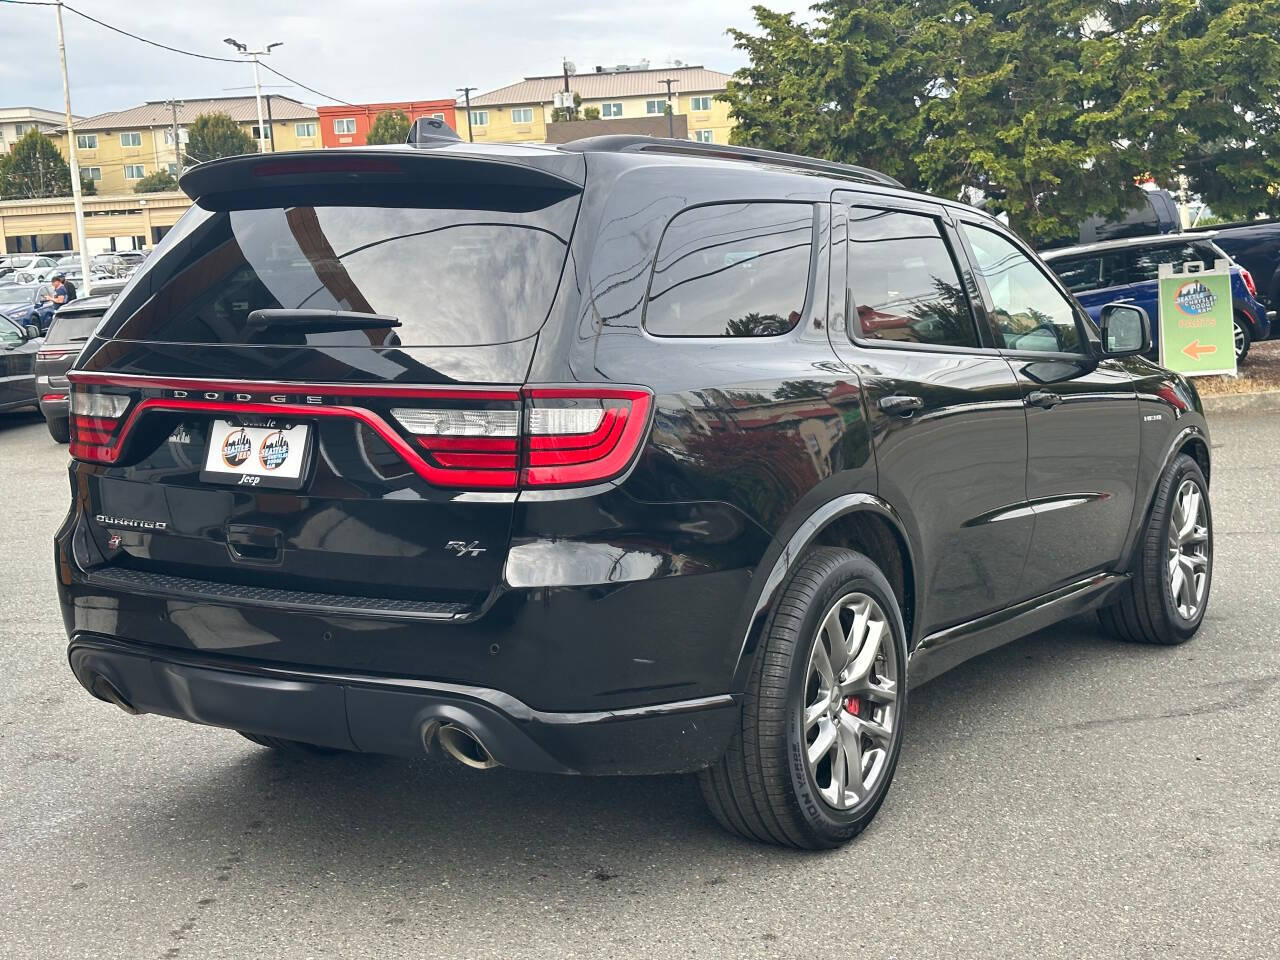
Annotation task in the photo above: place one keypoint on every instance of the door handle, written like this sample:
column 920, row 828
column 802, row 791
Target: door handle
column 1043, row 398
column 901, row 406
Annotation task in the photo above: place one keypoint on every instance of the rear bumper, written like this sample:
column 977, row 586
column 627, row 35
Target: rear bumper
column 386, row 715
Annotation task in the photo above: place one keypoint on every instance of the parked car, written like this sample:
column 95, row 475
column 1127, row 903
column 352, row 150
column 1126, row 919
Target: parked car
column 21, row 268
column 640, row 495
column 16, row 300
column 109, row 264
column 18, row 347
column 72, row 326
column 1256, row 247
column 1128, row 271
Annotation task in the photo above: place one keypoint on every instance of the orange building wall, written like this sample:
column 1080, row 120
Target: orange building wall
column 366, row 113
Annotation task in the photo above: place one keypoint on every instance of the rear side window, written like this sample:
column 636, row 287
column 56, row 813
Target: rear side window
column 1094, row 272
column 904, row 284
column 732, row 270
column 453, row 276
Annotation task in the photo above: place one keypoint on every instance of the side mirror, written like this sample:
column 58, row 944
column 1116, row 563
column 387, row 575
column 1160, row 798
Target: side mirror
column 31, row 331
column 1126, row 330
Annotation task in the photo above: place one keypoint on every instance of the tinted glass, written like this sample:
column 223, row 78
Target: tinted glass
column 73, row 326
column 1030, row 313
column 453, row 277
column 9, row 332
column 903, row 281
column 13, row 295
column 1144, row 263
column 732, row 270
column 1093, row 272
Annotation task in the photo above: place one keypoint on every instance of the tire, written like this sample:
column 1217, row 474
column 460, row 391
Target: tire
column 288, row 746
column 59, row 429
column 1243, row 339
column 1146, row 610
column 765, row 787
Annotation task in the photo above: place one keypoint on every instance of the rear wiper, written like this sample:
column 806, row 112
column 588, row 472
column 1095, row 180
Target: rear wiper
column 318, row 321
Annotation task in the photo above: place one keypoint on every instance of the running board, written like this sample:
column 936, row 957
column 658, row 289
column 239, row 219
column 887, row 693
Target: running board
column 939, row 652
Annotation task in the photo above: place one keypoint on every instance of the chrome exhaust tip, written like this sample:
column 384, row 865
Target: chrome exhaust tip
column 465, row 747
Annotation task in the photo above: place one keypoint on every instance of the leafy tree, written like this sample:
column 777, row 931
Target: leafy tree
column 390, row 126
column 34, row 168
column 215, row 135
column 156, row 182
column 590, row 113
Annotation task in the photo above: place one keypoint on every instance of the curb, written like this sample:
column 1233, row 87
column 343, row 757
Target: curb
column 1242, row 402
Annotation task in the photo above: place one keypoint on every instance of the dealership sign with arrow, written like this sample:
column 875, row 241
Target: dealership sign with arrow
column 1197, row 331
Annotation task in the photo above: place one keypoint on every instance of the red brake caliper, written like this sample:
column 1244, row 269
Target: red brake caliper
column 853, row 705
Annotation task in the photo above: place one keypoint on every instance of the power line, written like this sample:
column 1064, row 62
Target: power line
column 326, row 96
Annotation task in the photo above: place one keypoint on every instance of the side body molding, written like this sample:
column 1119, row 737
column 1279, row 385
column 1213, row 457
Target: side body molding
column 791, row 553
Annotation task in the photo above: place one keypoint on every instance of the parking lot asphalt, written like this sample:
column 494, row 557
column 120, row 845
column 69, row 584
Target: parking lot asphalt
column 1064, row 796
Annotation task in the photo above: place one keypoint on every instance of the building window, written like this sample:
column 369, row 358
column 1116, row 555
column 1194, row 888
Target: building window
column 703, row 136
column 131, row 139
column 134, row 171
column 86, row 141
column 307, row 129
column 344, row 125
column 168, row 135
column 173, row 169
column 437, row 116
column 655, row 106
column 611, row 109
column 258, row 134
column 92, row 173
column 522, row 115
column 479, row 118
column 699, row 103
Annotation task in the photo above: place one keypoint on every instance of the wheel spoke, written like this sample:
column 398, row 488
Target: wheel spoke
column 852, row 756
column 870, row 649
column 815, row 711
column 878, row 732
column 838, row 653
column 827, row 736
column 822, row 664
column 1177, row 581
column 1190, row 513
column 879, row 689
column 839, row 772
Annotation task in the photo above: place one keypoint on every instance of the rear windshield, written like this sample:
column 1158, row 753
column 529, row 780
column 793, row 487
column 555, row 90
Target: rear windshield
column 68, row 327
column 452, row 275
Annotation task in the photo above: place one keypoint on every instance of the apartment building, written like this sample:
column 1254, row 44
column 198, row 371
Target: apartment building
column 348, row 125
column 521, row 111
column 118, row 149
column 16, row 121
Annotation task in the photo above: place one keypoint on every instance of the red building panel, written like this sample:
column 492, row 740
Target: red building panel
column 349, row 126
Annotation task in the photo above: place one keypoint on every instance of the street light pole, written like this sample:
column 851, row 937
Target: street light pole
column 257, row 83
column 466, row 92
column 77, row 198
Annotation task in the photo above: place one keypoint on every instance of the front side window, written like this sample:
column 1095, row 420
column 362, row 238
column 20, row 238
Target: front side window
column 134, row 171
column 522, row 115
column 87, row 141
column 700, row 103
column 344, row 125
column 611, row 109
column 655, row 106
column 1030, row 313
column 131, row 139
column 903, row 282
column 732, row 270
column 1144, row 262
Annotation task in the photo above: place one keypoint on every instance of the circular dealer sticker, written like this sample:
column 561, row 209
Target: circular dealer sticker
column 274, row 450
column 236, row 449
column 1194, row 298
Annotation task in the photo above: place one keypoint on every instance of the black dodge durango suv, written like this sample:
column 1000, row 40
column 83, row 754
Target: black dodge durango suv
column 619, row 457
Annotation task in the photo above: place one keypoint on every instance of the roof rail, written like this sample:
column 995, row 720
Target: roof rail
column 638, row 143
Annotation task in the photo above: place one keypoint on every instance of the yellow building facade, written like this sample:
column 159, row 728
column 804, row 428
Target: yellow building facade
column 520, row 112
column 116, row 150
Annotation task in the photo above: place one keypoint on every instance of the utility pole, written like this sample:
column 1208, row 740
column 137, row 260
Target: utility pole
column 77, row 199
column 671, row 119
column 253, row 55
column 177, row 143
column 466, row 92
column 271, row 125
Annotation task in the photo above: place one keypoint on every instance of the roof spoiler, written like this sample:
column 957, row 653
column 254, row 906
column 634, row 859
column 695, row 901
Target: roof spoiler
column 379, row 166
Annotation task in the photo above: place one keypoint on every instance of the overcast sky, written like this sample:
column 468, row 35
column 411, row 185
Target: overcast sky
column 375, row 50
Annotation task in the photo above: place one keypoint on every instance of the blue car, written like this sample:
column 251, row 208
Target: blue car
column 1128, row 270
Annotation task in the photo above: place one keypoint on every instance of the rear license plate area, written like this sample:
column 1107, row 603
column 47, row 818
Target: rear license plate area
column 258, row 453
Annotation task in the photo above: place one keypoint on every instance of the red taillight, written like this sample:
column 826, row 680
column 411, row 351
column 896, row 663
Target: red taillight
column 579, row 436
column 453, row 437
column 53, row 397
column 96, row 420
column 1248, row 282
column 54, row 354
